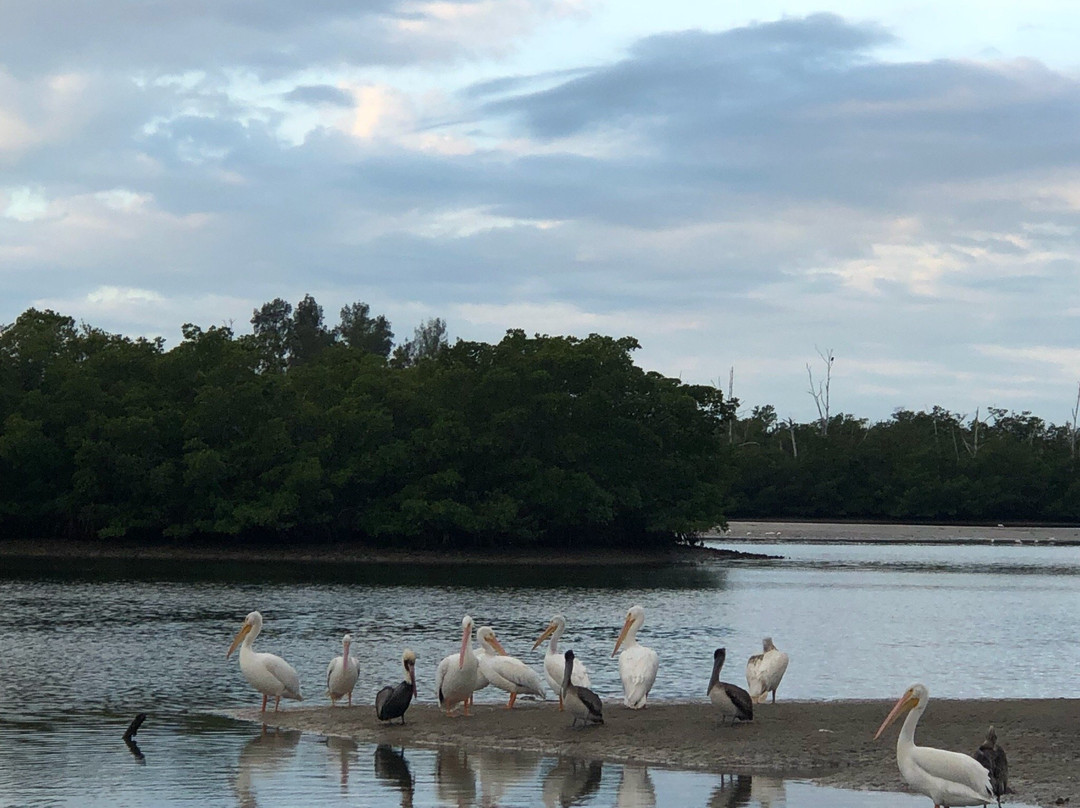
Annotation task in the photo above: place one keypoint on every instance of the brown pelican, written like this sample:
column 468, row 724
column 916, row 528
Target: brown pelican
column 765, row 670
column 733, row 701
column 582, row 703
column 554, row 663
column 950, row 779
column 455, row 678
column 637, row 664
column 342, row 673
column 393, row 700
column 992, row 757
column 506, row 672
column 270, row 675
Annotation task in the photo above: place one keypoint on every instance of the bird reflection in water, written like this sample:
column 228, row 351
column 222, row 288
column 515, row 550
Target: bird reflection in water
column 345, row 749
column 570, row 781
column 392, row 769
column 266, row 753
column 636, row 788
column 500, row 770
column 455, row 780
column 733, row 791
column 768, row 792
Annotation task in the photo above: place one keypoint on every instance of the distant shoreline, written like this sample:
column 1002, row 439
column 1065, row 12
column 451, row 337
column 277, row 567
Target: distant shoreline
column 780, row 532
column 352, row 554
column 828, row 742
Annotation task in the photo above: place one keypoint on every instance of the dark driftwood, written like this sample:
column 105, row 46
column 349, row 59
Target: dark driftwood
column 129, row 738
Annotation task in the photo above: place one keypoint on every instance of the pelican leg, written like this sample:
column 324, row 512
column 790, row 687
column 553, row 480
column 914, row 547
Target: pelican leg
column 264, row 703
column 277, row 703
column 560, row 703
column 350, row 698
column 513, row 698
column 774, row 697
column 467, row 706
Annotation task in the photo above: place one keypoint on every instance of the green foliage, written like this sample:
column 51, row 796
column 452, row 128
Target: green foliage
column 302, row 433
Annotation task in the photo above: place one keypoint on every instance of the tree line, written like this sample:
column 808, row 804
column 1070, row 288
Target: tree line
column 302, row 432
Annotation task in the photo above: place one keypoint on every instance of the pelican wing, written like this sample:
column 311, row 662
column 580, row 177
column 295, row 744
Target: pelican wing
column 962, row 776
column 764, row 672
column 555, row 666
column 637, row 669
column 284, row 673
column 440, row 675
column 511, row 674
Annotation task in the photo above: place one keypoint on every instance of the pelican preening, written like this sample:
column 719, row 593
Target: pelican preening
column 342, row 674
column 637, row 663
column 506, row 672
column 732, row 700
column 583, row 704
column 992, row 757
column 950, row 779
column 270, row 675
column 554, row 663
column 393, row 700
column 455, row 678
column 765, row 670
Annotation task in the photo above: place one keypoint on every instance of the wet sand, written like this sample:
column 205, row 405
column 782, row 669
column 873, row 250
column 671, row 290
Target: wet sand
column 828, row 742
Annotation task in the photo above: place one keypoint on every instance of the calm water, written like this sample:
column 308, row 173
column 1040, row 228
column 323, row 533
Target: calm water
column 84, row 647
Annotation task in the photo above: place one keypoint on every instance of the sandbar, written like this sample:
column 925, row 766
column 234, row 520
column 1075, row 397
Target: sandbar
column 830, row 743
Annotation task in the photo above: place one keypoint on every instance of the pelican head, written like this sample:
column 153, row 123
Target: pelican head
column 719, row 655
column 252, row 626
column 408, row 660
column 635, row 617
column 346, row 641
column 487, row 638
column 914, row 697
column 466, row 635
column 767, row 645
column 558, row 623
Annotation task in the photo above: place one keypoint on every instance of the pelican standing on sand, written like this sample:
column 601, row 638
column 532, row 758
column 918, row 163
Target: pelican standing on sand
column 582, row 703
column 455, row 678
column 637, row 663
column 342, row 673
column 555, row 663
column 765, row 670
column 270, row 675
column 393, row 700
column 950, row 779
column 993, row 759
column 732, row 700
column 506, row 672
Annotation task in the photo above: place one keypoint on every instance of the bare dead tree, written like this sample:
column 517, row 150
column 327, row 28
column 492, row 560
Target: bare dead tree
column 820, row 393
column 972, row 446
column 1072, row 427
column 791, row 429
column 731, row 397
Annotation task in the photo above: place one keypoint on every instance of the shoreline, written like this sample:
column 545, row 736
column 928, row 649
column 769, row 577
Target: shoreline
column 830, row 743
column 352, row 554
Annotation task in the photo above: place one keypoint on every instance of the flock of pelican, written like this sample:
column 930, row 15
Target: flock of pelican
column 950, row 779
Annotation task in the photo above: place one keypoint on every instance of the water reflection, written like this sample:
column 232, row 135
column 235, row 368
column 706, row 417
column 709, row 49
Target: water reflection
column 636, row 789
column 499, row 770
column 392, row 769
column 769, row 792
column 343, row 752
column 266, row 754
column 733, row 791
column 570, row 781
column 455, row 780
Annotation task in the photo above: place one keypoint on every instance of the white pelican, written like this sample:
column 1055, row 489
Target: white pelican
column 765, row 670
column 583, row 704
column 455, row 678
column 506, row 672
column 270, row 675
column 948, row 778
column 637, row 663
column 993, row 759
column 554, row 663
column 342, row 673
column 733, row 701
column 392, row 701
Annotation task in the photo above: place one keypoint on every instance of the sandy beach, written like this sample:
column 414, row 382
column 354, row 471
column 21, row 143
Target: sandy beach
column 830, row 743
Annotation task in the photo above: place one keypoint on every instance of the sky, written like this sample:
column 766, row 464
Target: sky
column 894, row 183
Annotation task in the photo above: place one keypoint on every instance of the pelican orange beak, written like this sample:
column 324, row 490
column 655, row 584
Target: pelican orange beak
column 239, row 638
column 497, row 645
column 464, row 646
column 412, row 677
column 906, row 702
column 622, row 634
column 547, row 633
